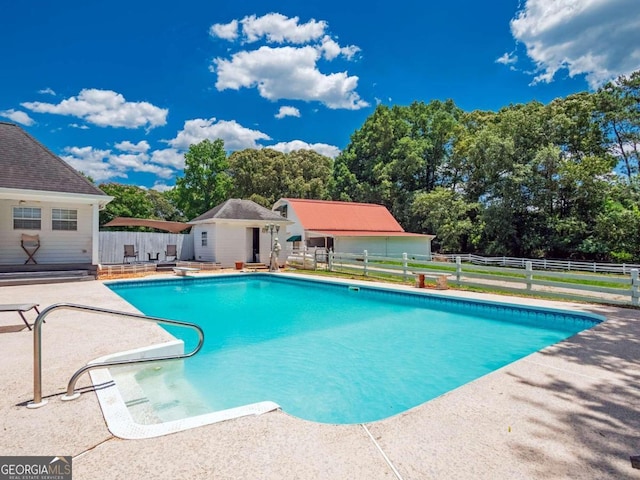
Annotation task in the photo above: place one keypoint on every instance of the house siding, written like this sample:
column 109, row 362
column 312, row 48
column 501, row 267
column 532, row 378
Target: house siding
column 56, row 246
column 294, row 229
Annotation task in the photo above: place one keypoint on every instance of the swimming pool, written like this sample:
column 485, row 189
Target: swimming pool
column 325, row 351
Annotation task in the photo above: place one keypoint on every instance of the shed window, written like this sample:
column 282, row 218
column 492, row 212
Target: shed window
column 63, row 219
column 203, row 237
column 27, row 218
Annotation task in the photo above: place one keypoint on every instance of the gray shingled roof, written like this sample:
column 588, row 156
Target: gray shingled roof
column 26, row 164
column 236, row 209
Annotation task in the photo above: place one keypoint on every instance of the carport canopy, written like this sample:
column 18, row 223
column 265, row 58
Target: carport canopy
column 172, row 227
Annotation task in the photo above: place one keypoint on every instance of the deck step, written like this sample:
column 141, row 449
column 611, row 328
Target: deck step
column 255, row 266
column 41, row 277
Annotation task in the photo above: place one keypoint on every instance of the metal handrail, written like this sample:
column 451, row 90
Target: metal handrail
column 71, row 394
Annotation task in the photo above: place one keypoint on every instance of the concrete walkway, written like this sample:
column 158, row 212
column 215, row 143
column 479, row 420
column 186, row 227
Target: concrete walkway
column 569, row 411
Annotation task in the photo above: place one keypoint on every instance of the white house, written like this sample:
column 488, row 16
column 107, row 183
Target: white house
column 348, row 227
column 237, row 231
column 42, row 197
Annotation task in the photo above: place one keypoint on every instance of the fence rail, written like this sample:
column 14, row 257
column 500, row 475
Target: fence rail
column 542, row 263
column 621, row 287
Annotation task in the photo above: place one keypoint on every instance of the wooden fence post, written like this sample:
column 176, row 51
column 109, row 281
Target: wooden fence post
column 634, row 287
column 366, row 261
column 404, row 267
column 529, row 274
column 458, row 270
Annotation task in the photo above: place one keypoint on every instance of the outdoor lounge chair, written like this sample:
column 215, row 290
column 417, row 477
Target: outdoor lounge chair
column 20, row 308
column 30, row 244
column 171, row 251
column 129, row 252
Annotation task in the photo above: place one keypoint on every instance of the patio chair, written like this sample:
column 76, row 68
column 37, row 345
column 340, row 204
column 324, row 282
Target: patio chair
column 171, row 251
column 30, row 244
column 20, row 308
column 129, row 252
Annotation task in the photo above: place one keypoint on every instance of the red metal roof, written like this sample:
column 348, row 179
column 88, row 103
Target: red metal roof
column 325, row 216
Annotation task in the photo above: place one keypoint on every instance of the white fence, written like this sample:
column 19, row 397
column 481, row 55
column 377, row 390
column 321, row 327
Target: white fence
column 149, row 245
column 542, row 264
column 605, row 288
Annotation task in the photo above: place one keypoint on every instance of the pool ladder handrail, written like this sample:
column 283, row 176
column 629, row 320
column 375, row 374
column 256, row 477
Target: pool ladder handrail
column 71, row 394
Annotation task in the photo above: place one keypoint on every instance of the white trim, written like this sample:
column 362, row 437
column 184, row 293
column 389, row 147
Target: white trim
column 45, row 196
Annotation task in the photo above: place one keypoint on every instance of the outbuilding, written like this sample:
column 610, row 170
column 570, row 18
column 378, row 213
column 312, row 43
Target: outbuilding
column 237, row 231
column 348, row 227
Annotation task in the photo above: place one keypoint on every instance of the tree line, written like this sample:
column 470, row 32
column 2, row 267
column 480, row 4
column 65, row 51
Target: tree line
column 558, row 180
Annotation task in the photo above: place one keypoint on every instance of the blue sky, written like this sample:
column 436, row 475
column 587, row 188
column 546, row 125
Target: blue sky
column 120, row 89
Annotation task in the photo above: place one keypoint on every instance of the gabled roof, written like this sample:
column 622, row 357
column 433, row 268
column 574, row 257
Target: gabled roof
column 324, row 215
column 28, row 165
column 237, row 209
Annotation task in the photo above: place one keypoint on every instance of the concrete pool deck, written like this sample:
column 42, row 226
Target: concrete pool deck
column 571, row 410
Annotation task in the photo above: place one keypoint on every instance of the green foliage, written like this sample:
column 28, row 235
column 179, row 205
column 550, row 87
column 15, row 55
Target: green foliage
column 529, row 180
column 205, row 182
column 129, row 201
column 450, row 217
column 266, row 175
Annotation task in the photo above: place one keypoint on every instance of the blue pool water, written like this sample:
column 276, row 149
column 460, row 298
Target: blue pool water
column 328, row 353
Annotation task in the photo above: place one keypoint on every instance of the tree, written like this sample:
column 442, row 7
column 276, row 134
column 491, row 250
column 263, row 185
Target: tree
column 266, row 175
column 129, row 201
column 164, row 207
column 205, row 182
column 398, row 153
column 619, row 107
column 450, row 217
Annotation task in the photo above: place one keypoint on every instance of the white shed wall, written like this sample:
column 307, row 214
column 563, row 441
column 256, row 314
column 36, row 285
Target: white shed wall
column 231, row 244
column 208, row 252
column 385, row 246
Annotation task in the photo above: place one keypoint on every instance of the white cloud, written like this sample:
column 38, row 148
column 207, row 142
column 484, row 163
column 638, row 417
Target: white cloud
column 161, row 187
column 47, row 91
column 127, row 146
column 290, row 73
column 597, row 38
column 104, row 165
column 286, row 111
column 92, row 162
column 77, row 125
column 509, row 58
column 235, row 136
column 17, row 116
column 322, row 148
column 226, row 31
column 105, row 108
column 331, row 49
column 168, row 157
column 277, row 28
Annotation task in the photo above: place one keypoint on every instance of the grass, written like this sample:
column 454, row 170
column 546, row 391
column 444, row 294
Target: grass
column 492, row 289
column 599, row 280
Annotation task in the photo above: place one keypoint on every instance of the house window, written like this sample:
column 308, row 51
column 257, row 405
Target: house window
column 203, row 237
column 27, row 218
column 284, row 211
column 63, row 219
